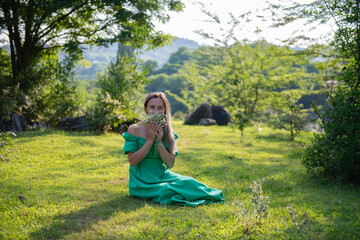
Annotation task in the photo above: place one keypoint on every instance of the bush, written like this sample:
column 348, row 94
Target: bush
column 108, row 114
column 61, row 100
column 336, row 152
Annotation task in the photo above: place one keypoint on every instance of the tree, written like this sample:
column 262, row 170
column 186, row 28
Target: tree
column 37, row 29
column 152, row 66
column 6, row 103
column 120, row 89
column 249, row 73
column 176, row 60
column 197, row 86
column 5, row 68
column 289, row 115
column 336, row 152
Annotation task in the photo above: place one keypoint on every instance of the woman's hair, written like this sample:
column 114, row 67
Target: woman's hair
column 168, row 132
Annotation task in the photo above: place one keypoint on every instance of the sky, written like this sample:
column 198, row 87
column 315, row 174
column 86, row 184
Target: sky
column 185, row 23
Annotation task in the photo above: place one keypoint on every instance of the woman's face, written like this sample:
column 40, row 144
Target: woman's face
column 155, row 105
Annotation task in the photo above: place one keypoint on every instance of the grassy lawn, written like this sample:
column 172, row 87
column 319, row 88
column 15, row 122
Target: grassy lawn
column 61, row 185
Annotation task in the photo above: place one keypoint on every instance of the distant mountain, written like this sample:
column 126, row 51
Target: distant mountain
column 100, row 57
column 162, row 54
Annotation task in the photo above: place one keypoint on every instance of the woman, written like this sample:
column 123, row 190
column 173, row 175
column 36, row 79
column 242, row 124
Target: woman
column 151, row 159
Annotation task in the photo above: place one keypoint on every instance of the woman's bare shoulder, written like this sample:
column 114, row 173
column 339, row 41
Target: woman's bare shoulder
column 136, row 129
column 133, row 129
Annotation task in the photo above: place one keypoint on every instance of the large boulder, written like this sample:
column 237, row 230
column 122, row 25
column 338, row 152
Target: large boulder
column 16, row 123
column 207, row 122
column 125, row 125
column 73, row 124
column 203, row 111
column 221, row 115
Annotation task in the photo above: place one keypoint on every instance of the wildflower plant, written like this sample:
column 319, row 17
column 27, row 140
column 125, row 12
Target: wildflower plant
column 259, row 201
column 301, row 222
column 252, row 214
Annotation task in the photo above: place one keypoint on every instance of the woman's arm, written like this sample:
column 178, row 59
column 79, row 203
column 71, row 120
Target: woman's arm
column 166, row 157
column 138, row 156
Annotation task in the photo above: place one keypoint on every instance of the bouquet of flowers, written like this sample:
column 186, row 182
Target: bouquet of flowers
column 155, row 117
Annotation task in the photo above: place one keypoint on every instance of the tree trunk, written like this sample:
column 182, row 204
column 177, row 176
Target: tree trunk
column 255, row 101
column 21, row 50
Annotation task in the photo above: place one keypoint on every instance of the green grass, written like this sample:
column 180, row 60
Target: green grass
column 75, row 186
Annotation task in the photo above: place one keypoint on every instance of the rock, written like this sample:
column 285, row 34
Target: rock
column 207, row 121
column 203, row 111
column 16, row 123
column 221, row 115
column 73, row 124
column 22, row 198
column 34, row 125
column 125, row 125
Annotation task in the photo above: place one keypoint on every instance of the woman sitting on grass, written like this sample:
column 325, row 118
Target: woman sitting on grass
column 151, row 149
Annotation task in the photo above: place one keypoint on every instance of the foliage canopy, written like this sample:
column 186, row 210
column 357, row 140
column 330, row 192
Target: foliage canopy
column 38, row 27
column 38, row 30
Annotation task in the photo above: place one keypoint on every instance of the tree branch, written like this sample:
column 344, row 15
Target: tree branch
column 51, row 26
column 340, row 27
column 28, row 23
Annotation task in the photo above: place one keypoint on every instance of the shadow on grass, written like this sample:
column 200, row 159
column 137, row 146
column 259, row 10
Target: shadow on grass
column 35, row 133
column 274, row 137
column 78, row 221
column 27, row 135
column 322, row 198
column 80, row 138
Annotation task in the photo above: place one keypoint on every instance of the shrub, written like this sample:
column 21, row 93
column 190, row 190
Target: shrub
column 61, row 100
column 108, row 114
column 336, row 152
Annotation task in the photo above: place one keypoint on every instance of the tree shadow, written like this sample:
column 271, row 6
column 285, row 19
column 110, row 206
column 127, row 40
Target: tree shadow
column 77, row 221
column 323, row 198
column 27, row 135
column 274, row 137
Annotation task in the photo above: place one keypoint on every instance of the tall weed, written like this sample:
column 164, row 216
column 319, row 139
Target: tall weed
column 5, row 144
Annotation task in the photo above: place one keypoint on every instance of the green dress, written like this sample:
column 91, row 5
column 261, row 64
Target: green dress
column 151, row 179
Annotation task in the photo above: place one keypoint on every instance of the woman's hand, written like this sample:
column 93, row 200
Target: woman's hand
column 155, row 130
column 152, row 131
column 159, row 132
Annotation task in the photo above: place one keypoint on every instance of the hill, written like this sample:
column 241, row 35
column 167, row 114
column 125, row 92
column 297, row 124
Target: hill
column 100, row 57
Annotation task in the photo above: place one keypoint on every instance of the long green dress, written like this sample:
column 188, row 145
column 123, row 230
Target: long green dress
column 151, row 179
